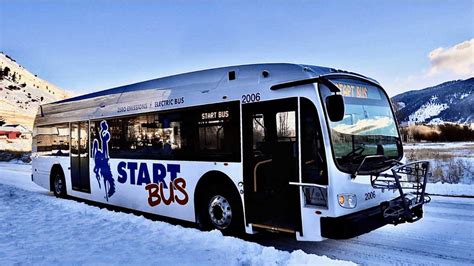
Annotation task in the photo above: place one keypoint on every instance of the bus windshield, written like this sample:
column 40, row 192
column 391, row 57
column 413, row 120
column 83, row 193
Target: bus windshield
column 368, row 127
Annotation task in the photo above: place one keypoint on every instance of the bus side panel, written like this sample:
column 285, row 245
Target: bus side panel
column 131, row 190
column 41, row 167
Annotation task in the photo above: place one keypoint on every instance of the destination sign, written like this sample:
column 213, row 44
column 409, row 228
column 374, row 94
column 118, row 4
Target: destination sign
column 358, row 91
column 215, row 115
column 349, row 90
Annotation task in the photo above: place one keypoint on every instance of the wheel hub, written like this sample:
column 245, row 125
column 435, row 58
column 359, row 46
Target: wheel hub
column 220, row 212
column 58, row 184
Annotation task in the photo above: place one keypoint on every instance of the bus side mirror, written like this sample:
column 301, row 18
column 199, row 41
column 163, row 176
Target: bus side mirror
column 335, row 107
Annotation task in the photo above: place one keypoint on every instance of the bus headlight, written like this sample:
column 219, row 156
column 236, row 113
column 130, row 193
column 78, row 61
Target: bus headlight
column 347, row 200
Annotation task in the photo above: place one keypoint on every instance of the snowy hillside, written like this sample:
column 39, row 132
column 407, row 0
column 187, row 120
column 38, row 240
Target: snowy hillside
column 21, row 92
column 451, row 101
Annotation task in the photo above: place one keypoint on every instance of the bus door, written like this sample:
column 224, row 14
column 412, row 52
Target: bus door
column 80, row 156
column 270, row 137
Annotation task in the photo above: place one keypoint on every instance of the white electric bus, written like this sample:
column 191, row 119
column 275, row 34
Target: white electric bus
column 306, row 150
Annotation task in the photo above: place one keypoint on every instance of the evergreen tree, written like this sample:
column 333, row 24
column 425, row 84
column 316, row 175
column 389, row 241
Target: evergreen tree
column 6, row 71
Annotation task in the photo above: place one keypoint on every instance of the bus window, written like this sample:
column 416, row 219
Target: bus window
column 312, row 151
column 219, row 132
column 211, row 137
column 202, row 133
column 53, row 140
column 258, row 131
column 143, row 136
column 286, row 126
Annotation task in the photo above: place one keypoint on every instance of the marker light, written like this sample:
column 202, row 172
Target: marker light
column 347, row 200
column 341, row 200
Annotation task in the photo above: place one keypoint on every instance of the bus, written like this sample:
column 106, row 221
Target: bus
column 299, row 149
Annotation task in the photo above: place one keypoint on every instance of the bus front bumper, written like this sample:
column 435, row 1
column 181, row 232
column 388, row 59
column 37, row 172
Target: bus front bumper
column 358, row 223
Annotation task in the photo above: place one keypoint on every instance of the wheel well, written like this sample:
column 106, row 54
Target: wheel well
column 56, row 168
column 213, row 179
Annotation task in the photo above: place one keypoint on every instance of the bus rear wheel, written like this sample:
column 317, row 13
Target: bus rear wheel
column 221, row 209
column 59, row 184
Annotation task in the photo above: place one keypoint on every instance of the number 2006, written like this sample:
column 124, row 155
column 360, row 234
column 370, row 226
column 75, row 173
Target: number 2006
column 370, row 195
column 250, row 98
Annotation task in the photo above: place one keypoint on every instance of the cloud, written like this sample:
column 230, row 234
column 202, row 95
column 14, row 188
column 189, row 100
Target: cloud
column 458, row 59
column 452, row 63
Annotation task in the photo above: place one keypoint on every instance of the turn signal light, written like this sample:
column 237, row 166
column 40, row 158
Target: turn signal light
column 341, row 200
column 347, row 200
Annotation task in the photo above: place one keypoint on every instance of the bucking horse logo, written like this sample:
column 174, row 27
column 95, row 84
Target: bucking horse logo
column 101, row 159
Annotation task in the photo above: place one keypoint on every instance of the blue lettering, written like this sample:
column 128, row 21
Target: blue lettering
column 143, row 175
column 132, row 167
column 173, row 169
column 122, row 178
column 159, row 174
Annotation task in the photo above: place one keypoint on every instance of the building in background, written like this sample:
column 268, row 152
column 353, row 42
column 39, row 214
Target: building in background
column 14, row 131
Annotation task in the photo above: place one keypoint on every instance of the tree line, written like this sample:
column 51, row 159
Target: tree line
column 438, row 133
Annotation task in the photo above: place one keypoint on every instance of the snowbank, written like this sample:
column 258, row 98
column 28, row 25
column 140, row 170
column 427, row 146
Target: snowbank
column 438, row 145
column 37, row 228
column 450, row 189
column 23, row 145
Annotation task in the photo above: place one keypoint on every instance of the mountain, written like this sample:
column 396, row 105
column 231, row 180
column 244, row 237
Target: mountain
column 21, row 92
column 452, row 101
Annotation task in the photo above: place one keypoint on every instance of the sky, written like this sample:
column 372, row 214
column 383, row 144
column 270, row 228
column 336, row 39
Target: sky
column 85, row 46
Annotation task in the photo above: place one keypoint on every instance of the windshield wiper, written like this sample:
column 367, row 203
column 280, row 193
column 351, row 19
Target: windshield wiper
column 382, row 164
column 357, row 152
column 366, row 159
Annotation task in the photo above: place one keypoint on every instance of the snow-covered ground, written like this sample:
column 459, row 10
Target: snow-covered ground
column 37, row 228
column 450, row 189
column 451, row 162
column 438, row 145
column 15, row 145
column 444, row 236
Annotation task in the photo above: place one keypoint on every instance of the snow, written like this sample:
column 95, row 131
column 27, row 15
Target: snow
column 450, row 189
column 37, row 228
column 15, row 144
column 21, row 96
column 438, row 145
column 427, row 111
column 33, row 230
column 444, row 236
column 464, row 95
column 449, row 162
column 436, row 121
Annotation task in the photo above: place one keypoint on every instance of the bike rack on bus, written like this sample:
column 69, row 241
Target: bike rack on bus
column 410, row 180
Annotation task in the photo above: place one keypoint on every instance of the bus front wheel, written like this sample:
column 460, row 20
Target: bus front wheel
column 59, row 184
column 221, row 209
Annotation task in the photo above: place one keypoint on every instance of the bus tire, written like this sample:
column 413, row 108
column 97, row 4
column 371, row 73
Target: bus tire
column 58, row 184
column 221, row 209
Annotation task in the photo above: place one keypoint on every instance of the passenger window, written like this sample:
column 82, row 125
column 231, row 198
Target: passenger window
column 209, row 132
column 211, row 137
column 286, row 126
column 258, row 130
column 52, row 140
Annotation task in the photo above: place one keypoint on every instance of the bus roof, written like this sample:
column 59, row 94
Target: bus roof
column 213, row 75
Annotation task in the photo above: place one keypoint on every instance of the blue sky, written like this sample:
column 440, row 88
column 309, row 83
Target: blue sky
column 84, row 46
